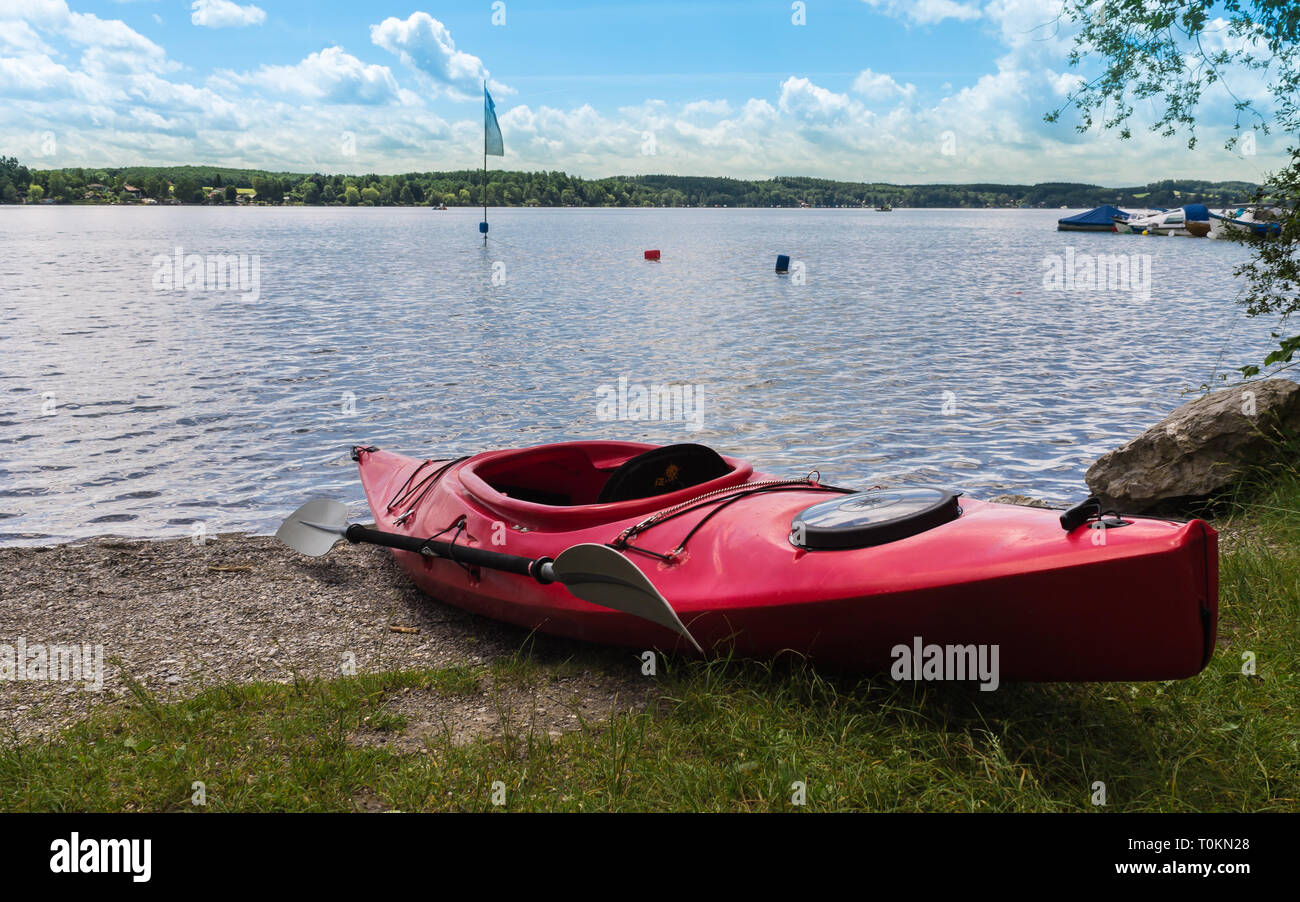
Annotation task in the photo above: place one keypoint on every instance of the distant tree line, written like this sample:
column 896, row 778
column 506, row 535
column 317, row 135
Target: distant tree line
column 14, row 179
column 217, row 185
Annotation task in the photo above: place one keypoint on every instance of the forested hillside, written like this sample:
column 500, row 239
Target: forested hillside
column 215, row 184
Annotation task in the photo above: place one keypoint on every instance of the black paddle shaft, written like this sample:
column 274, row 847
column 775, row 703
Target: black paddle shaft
column 464, row 554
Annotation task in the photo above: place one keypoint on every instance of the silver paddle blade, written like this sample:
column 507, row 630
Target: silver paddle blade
column 599, row 574
column 314, row 528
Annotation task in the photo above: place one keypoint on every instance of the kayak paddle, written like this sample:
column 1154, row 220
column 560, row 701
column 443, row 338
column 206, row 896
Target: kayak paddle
column 594, row 573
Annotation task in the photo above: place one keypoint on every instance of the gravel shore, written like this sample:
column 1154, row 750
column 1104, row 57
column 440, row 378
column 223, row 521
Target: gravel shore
column 178, row 616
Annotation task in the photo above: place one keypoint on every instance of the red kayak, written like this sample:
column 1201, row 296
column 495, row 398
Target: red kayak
column 763, row 566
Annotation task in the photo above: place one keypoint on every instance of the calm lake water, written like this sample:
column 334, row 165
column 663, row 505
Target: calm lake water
column 921, row 346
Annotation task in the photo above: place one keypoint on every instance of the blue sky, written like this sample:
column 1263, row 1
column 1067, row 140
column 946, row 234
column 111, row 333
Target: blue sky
column 924, row 91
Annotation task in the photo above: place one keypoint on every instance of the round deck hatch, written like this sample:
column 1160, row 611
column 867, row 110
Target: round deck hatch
column 872, row 518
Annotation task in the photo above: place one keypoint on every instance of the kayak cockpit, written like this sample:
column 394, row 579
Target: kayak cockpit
column 596, row 480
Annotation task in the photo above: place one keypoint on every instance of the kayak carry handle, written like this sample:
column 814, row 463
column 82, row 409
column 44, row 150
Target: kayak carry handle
column 1081, row 513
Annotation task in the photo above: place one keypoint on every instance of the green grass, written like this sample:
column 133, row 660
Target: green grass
column 735, row 736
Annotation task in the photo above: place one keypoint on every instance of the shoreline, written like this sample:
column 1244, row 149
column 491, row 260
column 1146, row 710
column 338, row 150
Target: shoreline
column 499, row 207
column 177, row 618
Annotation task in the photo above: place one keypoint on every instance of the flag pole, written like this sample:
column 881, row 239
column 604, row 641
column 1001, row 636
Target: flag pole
column 485, row 182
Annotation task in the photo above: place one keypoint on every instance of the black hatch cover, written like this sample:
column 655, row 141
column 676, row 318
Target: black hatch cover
column 872, row 518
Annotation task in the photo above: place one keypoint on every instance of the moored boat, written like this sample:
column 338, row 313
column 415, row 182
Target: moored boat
column 1192, row 219
column 1245, row 220
column 1100, row 219
column 763, row 566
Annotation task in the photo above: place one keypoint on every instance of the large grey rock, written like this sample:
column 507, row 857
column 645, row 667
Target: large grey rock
column 1200, row 449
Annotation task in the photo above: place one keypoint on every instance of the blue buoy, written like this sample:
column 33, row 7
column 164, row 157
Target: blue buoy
column 782, row 263
column 482, row 227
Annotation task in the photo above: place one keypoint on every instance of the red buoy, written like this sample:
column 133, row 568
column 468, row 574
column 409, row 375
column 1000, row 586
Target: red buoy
column 652, row 255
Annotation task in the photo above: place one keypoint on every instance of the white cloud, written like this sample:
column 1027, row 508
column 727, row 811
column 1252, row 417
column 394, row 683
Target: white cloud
column 1064, row 84
column 225, row 14
column 328, row 76
column 38, row 78
column 425, row 45
column 879, row 86
column 23, row 18
column 927, row 12
column 1032, row 29
column 706, row 107
column 804, row 100
column 17, row 37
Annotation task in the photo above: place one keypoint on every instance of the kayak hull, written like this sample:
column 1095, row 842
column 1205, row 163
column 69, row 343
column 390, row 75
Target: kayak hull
column 1131, row 603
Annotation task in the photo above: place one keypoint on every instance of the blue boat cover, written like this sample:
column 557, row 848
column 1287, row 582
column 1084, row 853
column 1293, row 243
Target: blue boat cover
column 1104, row 215
column 1196, row 213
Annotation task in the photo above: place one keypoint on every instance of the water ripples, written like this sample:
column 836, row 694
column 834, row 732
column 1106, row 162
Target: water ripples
column 922, row 347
